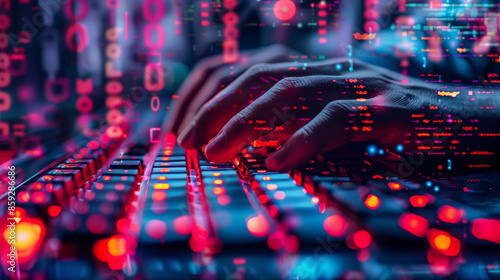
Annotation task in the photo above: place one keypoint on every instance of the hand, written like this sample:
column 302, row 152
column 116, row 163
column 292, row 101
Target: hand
column 307, row 110
column 210, row 75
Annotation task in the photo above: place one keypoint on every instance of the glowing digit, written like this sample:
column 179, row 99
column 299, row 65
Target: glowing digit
column 75, row 29
column 148, row 36
column 155, row 103
column 5, row 101
column 69, row 11
column 148, row 77
column 159, row 7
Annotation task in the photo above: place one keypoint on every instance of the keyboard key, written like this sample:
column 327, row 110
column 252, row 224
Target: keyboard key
column 127, row 164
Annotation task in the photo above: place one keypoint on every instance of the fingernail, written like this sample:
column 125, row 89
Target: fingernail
column 276, row 161
column 214, row 148
column 187, row 135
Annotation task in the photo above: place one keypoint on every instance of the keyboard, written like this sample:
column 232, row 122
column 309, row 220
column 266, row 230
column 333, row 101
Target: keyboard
column 135, row 211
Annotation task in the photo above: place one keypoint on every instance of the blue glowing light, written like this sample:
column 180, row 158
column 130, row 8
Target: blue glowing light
column 436, row 188
column 338, row 67
column 381, row 152
column 428, row 184
column 399, row 148
column 371, row 150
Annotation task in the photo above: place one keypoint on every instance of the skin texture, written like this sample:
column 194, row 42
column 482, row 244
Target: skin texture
column 305, row 110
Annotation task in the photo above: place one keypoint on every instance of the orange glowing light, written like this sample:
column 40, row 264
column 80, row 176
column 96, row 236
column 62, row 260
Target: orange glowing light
column 443, row 242
column 100, row 249
column 161, row 186
column 23, row 197
column 272, row 187
column 30, row 233
column 219, row 190
column 218, row 182
column 54, row 210
column 38, row 197
column 394, row 186
column 159, row 195
column 372, row 202
column 117, row 245
column 216, row 174
column 162, row 178
column 266, row 178
column 258, row 226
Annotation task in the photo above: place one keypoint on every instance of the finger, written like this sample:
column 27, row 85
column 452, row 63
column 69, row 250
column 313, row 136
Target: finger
column 209, row 75
column 187, row 91
column 338, row 123
column 264, row 115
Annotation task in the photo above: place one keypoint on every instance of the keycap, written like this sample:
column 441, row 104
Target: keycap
column 84, row 168
column 127, row 164
column 75, row 173
column 90, row 162
column 66, row 180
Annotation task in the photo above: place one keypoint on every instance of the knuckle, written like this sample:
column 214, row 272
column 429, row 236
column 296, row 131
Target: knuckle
column 258, row 68
column 336, row 107
column 308, row 137
column 239, row 118
column 290, row 82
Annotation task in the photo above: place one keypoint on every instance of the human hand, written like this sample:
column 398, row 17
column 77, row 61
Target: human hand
column 209, row 77
column 307, row 110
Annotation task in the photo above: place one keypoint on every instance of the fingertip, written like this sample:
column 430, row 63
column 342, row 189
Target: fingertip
column 277, row 161
column 187, row 137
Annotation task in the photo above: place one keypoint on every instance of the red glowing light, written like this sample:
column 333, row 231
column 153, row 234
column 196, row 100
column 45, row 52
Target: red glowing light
column 486, row 229
column 96, row 223
column 284, row 10
column 362, row 239
column 54, row 210
column 183, row 225
column 275, row 240
column 258, row 226
column 161, row 186
column 419, row 200
column 414, row 224
column 291, row 243
column 335, row 225
column 449, row 214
